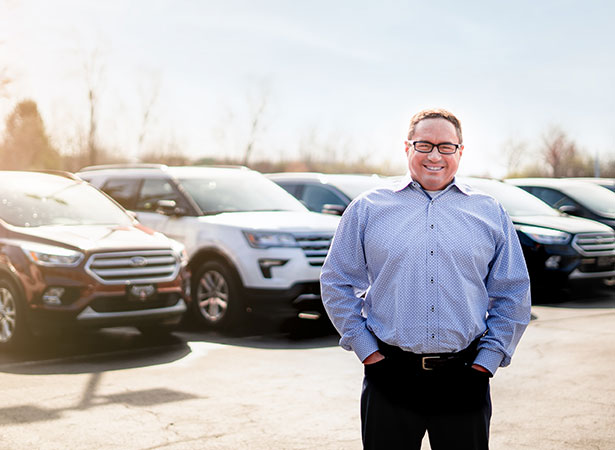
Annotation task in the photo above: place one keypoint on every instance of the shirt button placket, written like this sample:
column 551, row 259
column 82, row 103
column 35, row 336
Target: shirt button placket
column 432, row 289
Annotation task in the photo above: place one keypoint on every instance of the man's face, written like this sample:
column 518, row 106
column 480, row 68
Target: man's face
column 432, row 170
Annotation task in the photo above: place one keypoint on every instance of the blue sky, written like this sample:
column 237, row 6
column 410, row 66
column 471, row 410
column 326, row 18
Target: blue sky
column 348, row 74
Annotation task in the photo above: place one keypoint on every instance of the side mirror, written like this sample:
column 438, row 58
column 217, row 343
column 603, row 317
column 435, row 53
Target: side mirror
column 169, row 208
column 336, row 210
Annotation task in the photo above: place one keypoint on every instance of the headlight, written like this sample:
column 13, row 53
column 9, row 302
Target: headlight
column 49, row 255
column 179, row 250
column 266, row 239
column 545, row 235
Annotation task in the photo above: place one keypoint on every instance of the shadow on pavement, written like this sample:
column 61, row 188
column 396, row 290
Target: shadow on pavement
column 290, row 334
column 583, row 295
column 93, row 351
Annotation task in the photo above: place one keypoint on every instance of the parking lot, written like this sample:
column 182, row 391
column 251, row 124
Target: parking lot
column 271, row 389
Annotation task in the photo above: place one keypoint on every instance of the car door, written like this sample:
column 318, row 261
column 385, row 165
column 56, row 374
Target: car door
column 151, row 192
column 316, row 196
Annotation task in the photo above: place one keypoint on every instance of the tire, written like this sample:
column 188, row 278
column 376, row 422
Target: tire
column 14, row 330
column 216, row 296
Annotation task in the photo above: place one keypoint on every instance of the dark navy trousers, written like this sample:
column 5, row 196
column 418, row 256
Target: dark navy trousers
column 400, row 404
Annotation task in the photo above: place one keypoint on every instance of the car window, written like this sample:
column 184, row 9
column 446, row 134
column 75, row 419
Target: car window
column 124, row 191
column 155, row 189
column 35, row 200
column 238, row 191
column 291, row 188
column 552, row 197
column 315, row 197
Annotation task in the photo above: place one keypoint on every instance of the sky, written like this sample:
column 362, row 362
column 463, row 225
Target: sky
column 347, row 75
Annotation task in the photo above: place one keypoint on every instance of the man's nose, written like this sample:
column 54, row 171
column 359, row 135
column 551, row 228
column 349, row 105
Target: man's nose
column 434, row 155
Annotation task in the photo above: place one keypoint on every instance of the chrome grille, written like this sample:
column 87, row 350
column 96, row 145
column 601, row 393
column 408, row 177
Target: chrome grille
column 315, row 246
column 133, row 267
column 595, row 244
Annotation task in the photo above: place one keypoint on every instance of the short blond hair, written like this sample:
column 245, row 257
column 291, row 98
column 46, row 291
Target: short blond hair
column 435, row 113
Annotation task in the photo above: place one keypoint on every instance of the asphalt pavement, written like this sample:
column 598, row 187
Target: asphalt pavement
column 274, row 390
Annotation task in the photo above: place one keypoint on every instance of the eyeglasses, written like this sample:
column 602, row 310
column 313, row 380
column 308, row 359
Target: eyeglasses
column 445, row 148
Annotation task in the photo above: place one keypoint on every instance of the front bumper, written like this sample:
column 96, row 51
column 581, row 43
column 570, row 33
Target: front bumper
column 301, row 300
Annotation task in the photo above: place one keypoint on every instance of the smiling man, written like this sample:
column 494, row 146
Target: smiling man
column 427, row 284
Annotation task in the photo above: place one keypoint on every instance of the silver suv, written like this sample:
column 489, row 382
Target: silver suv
column 252, row 247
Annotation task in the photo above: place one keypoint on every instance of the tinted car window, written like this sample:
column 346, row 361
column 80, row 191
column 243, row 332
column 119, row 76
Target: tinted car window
column 551, row 196
column 156, row 189
column 291, row 188
column 123, row 191
column 315, row 197
column 516, row 201
column 239, row 192
column 44, row 200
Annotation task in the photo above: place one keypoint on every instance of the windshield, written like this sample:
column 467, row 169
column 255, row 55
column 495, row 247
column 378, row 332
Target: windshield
column 595, row 197
column 38, row 199
column 515, row 201
column 234, row 191
column 352, row 185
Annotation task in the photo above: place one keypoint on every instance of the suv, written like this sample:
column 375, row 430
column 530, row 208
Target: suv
column 574, row 197
column 252, row 246
column 327, row 193
column 71, row 256
column 557, row 247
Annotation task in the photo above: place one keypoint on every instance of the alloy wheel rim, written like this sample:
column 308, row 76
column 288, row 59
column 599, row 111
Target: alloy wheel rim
column 212, row 296
column 7, row 315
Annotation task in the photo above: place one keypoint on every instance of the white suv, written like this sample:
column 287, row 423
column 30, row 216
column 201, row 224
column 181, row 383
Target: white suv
column 252, row 246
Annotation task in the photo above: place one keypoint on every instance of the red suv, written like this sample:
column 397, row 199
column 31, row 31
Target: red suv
column 70, row 256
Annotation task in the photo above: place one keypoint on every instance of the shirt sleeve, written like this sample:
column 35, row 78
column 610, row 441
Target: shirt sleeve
column 508, row 287
column 344, row 280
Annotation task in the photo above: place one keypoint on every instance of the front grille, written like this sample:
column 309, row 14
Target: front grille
column 315, row 246
column 125, row 303
column 595, row 244
column 131, row 267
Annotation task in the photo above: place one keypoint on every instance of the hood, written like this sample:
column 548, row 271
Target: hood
column 99, row 237
column 568, row 224
column 289, row 221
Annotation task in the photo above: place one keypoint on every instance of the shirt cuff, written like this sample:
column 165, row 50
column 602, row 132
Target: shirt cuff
column 364, row 345
column 489, row 359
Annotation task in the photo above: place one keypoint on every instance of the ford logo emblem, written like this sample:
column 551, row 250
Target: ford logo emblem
column 138, row 261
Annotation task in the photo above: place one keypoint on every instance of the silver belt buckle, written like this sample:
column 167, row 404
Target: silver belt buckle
column 425, row 358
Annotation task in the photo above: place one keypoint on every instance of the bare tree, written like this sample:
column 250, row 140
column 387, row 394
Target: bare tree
column 94, row 70
column 515, row 153
column 562, row 155
column 149, row 97
column 257, row 115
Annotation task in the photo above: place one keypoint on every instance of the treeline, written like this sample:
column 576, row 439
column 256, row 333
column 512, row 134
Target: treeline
column 26, row 145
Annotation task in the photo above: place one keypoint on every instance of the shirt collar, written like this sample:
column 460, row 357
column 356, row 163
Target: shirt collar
column 408, row 181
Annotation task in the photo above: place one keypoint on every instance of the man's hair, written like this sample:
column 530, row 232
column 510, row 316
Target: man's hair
column 435, row 114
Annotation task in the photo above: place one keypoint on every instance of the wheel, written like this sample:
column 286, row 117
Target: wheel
column 14, row 330
column 216, row 295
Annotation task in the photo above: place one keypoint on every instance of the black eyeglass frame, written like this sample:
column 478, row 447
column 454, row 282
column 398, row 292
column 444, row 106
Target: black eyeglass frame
column 437, row 146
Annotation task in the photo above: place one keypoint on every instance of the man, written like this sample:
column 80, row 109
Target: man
column 427, row 284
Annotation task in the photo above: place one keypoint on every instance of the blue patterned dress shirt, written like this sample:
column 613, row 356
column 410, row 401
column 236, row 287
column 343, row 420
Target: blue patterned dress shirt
column 427, row 274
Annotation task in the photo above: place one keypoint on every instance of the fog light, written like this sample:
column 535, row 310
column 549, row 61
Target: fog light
column 553, row 262
column 267, row 264
column 53, row 296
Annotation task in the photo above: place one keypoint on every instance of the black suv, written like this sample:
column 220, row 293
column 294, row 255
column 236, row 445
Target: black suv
column 557, row 247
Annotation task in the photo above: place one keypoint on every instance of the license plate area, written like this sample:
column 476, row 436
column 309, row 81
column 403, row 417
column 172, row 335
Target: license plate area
column 141, row 292
column 605, row 261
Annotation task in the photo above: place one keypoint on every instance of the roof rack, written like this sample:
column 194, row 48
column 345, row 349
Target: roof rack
column 61, row 173
column 124, row 166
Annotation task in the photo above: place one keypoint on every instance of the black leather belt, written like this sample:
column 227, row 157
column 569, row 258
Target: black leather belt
column 431, row 361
